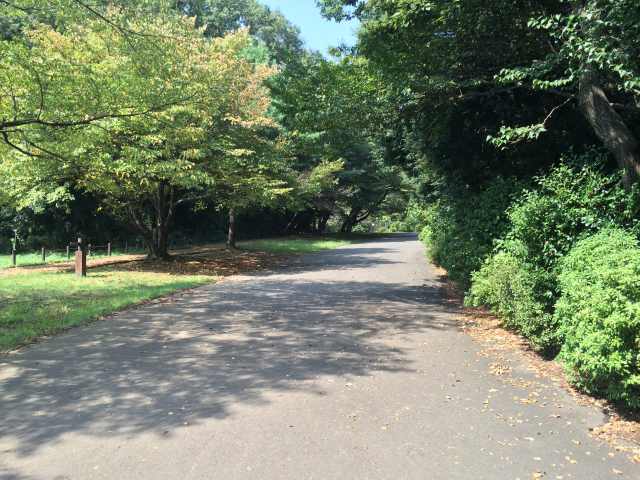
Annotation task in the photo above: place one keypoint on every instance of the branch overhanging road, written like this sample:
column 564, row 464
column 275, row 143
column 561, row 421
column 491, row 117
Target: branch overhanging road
column 346, row 365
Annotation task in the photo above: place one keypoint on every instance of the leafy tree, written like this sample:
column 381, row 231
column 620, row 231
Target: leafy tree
column 444, row 48
column 335, row 110
column 593, row 59
column 275, row 40
column 54, row 80
column 342, row 9
column 48, row 118
column 147, row 165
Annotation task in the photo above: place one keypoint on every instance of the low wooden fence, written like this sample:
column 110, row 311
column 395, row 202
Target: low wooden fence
column 68, row 252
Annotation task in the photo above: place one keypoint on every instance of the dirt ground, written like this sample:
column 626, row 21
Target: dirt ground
column 202, row 260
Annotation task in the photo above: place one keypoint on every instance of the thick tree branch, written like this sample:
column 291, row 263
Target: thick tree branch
column 609, row 126
column 625, row 107
column 14, row 126
column 7, row 124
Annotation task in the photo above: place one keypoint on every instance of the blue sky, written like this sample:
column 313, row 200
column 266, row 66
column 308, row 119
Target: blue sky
column 317, row 32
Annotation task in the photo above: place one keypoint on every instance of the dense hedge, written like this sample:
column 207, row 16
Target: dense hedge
column 412, row 219
column 516, row 291
column 460, row 227
column 558, row 262
column 567, row 204
column 599, row 314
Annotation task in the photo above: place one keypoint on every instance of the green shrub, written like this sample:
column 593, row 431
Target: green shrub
column 412, row 219
column 566, row 204
column 514, row 290
column 544, row 224
column 460, row 227
column 599, row 315
column 415, row 217
column 389, row 223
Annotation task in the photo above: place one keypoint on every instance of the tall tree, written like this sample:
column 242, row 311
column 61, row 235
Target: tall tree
column 594, row 59
column 147, row 165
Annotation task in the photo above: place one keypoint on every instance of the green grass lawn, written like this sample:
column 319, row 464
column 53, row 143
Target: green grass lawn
column 294, row 245
column 35, row 258
column 39, row 304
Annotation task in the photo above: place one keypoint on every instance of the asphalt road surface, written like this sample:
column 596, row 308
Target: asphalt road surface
column 346, row 365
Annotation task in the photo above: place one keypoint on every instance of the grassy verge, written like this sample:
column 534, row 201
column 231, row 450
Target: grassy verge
column 294, row 245
column 40, row 304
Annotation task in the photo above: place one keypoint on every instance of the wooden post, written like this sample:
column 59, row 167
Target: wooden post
column 126, row 246
column 108, row 249
column 231, row 236
column 13, row 257
column 44, row 255
column 81, row 260
column 68, row 252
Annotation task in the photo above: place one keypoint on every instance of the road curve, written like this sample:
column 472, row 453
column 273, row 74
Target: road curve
column 346, row 365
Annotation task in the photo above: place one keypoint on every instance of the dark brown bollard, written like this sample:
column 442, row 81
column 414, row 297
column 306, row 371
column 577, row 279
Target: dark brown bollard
column 81, row 260
column 81, row 263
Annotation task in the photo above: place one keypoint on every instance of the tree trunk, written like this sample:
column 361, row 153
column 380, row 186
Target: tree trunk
column 609, row 126
column 164, row 212
column 154, row 226
column 350, row 221
column 162, row 243
column 323, row 221
column 290, row 225
column 231, row 236
column 157, row 242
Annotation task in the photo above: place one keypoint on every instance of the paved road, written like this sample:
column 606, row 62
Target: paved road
column 345, row 366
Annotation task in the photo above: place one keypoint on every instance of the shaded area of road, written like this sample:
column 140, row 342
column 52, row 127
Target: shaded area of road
column 347, row 364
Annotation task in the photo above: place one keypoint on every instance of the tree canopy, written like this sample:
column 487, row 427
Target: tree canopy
column 566, row 55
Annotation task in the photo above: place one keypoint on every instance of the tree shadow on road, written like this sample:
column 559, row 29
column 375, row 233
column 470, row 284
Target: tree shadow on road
column 185, row 360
